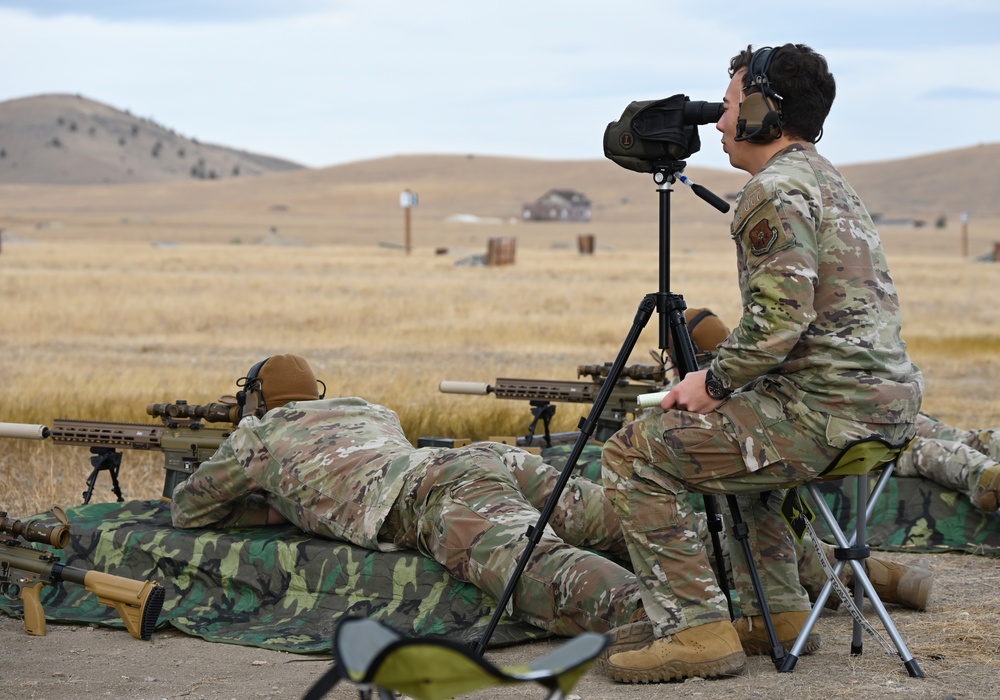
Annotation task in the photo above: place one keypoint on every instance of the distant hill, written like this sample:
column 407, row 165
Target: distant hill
column 963, row 180
column 71, row 140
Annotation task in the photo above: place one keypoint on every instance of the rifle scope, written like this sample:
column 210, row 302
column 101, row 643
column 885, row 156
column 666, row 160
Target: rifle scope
column 55, row 535
column 182, row 410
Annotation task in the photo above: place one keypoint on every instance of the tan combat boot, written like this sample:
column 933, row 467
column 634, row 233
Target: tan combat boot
column 897, row 584
column 987, row 493
column 787, row 625
column 704, row 651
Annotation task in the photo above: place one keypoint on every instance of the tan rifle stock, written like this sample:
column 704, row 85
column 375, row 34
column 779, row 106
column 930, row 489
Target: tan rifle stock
column 24, row 570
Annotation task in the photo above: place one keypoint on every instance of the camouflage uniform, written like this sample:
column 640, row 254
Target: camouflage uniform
column 343, row 469
column 815, row 363
column 962, row 460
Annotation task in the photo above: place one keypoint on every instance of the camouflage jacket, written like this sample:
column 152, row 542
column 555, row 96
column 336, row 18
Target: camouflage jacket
column 333, row 467
column 821, row 319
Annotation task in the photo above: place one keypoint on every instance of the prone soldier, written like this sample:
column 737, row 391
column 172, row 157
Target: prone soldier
column 342, row 469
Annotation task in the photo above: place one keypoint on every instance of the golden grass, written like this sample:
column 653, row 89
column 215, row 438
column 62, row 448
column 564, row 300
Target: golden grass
column 98, row 330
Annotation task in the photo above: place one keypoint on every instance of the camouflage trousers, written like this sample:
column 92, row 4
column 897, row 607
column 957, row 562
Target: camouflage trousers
column 651, row 465
column 470, row 509
column 591, row 519
column 985, row 441
column 470, row 516
column 950, row 456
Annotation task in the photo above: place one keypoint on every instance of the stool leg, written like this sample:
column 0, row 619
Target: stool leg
column 911, row 665
column 788, row 664
column 860, row 533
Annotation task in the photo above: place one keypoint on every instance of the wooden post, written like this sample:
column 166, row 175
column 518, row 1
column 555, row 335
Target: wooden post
column 408, row 235
column 408, row 200
column 585, row 243
column 965, row 234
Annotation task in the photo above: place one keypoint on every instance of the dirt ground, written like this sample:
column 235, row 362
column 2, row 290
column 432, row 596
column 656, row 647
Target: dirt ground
column 956, row 642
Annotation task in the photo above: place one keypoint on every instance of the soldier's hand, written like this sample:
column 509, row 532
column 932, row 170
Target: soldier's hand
column 689, row 394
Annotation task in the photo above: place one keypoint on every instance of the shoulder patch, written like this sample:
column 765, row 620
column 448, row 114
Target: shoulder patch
column 758, row 226
column 762, row 237
column 753, row 197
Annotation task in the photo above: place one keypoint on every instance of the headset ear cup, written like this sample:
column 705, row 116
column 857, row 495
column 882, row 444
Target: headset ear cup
column 759, row 119
column 251, row 389
column 760, row 112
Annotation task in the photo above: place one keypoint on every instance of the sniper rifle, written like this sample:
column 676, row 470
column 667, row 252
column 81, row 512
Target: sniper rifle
column 24, row 570
column 635, row 381
column 183, row 437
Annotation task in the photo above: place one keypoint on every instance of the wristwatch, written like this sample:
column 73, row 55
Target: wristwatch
column 713, row 385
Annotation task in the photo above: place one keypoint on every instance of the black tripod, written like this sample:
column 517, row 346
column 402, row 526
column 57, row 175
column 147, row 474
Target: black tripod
column 674, row 334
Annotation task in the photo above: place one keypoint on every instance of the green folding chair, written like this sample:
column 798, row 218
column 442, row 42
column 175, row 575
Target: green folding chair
column 382, row 661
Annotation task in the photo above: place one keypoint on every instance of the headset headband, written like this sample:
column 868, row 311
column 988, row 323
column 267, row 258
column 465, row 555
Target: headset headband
column 760, row 61
column 255, row 370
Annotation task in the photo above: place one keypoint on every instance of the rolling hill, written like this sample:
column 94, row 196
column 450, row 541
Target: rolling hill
column 72, row 167
column 69, row 139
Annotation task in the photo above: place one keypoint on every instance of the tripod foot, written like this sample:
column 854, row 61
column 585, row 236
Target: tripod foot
column 788, row 665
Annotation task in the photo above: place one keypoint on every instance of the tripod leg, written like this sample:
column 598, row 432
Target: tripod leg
column 742, row 533
column 675, row 329
column 714, row 529
column 587, row 426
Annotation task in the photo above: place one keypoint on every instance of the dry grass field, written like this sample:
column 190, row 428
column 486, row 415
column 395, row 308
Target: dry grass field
column 116, row 297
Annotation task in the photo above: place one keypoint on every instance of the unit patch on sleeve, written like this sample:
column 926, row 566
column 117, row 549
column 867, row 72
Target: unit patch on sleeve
column 762, row 237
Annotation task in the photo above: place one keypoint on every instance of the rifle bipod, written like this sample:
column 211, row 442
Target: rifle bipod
column 543, row 411
column 105, row 459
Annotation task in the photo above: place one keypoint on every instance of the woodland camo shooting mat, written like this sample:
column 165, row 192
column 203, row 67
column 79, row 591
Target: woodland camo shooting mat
column 277, row 588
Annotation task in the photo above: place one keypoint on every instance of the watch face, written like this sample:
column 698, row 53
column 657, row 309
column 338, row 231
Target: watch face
column 715, row 389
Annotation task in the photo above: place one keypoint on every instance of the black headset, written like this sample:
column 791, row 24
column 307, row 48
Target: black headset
column 760, row 112
column 252, row 384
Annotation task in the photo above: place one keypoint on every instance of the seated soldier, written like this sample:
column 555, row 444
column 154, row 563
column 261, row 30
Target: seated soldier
column 343, row 469
column 895, row 583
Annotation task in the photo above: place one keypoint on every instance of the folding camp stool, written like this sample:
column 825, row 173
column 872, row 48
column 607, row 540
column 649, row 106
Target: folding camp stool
column 382, row 661
column 858, row 460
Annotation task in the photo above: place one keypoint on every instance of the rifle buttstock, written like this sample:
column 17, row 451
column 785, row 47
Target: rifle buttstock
column 138, row 602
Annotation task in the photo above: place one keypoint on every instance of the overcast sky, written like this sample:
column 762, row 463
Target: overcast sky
column 324, row 82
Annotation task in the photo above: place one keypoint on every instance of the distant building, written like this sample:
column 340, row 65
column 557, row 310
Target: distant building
column 558, row 205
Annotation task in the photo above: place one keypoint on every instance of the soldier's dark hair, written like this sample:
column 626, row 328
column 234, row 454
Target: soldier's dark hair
column 803, row 79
